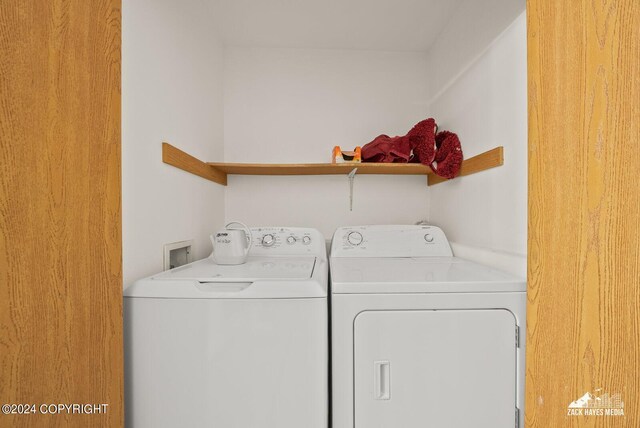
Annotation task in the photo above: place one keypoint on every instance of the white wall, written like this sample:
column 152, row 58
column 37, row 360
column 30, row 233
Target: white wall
column 294, row 105
column 468, row 34
column 380, row 25
column 171, row 91
column 486, row 105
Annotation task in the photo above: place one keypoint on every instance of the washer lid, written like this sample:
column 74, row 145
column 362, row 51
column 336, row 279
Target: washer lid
column 418, row 275
column 256, row 268
column 259, row 278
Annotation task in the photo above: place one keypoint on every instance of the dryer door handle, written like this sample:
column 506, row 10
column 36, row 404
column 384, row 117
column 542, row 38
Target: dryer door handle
column 382, row 380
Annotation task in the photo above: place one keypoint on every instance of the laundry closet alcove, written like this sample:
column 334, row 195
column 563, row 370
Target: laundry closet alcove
column 260, row 92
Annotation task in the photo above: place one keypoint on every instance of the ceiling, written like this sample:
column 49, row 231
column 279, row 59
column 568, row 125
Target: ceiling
column 390, row 25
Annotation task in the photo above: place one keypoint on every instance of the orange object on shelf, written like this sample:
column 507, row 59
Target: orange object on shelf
column 343, row 156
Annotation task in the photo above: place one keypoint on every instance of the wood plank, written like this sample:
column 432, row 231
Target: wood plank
column 60, row 227
column 184, row 161
column 217, row 171
column 583, row 317
column 487, row 160
column 321, row 168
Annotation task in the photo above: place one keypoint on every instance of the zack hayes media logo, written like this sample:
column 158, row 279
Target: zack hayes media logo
column 597, row 404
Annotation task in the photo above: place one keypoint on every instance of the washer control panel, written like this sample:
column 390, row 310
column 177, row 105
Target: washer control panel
column 286, row 241
column 390, row 241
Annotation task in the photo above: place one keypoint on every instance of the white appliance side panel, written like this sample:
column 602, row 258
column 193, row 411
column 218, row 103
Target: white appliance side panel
column 226, row 363
column 435, row 368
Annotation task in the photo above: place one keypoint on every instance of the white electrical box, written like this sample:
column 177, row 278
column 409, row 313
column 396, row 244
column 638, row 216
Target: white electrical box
column 177, row 254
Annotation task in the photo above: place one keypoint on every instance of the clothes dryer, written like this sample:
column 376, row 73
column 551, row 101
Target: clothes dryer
column 421, row 338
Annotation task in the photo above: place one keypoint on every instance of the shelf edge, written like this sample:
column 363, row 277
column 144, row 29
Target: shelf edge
column 320, row 168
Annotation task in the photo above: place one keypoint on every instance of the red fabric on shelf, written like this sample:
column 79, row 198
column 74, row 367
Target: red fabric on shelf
column 387, row 149
column 448, row 159
column 423, row 141
column 419, row 145
column 442, row 152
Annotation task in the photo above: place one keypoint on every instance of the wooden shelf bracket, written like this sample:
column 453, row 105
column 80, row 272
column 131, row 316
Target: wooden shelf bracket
column 487, row 160
column 175, row 157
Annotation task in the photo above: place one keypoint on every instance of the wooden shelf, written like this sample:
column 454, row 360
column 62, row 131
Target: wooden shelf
column 218, row 171
column 319, row 168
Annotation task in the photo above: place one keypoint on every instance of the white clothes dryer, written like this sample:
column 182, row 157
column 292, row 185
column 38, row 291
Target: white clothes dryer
column 233, row 346
column 421, row 338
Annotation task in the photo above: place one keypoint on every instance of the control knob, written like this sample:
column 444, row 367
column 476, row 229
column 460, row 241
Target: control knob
column 306, row 240
column 291, row 240
column 268, row 240
column 354, row 238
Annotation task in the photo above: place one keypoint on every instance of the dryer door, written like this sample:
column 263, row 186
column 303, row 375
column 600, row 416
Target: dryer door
column 435, row 368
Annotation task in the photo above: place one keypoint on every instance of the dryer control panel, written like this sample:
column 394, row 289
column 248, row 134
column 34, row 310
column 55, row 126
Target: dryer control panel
column 390, row 241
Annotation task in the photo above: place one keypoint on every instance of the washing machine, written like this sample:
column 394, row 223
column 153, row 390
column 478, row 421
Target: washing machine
column 421, row 338
column 232, row 346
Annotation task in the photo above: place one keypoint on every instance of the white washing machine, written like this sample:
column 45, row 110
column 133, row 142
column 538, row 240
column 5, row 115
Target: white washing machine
column 421, row 338
column 242, row 346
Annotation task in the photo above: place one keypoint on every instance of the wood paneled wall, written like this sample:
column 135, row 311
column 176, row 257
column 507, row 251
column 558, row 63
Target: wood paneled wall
column 60, row 241
column 584, row 209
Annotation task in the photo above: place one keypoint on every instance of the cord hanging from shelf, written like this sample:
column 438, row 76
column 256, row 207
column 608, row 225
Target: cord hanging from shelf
column 351, row 176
